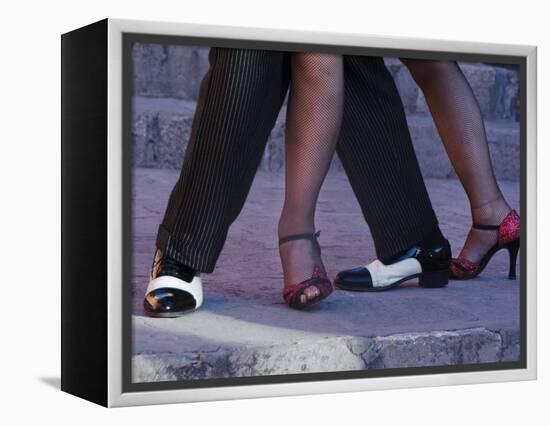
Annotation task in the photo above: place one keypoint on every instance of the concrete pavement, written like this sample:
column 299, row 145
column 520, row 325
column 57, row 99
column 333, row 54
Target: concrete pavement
column 245, row 329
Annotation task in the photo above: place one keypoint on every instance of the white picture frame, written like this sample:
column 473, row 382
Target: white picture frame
column 116, row 395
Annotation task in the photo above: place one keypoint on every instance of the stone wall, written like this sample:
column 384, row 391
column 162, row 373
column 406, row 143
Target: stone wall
column 167, row 71
column 166, row 84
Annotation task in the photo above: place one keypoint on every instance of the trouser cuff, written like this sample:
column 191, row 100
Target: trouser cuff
column 187, row 252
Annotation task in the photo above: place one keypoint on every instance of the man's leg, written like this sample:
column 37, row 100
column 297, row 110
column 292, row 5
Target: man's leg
column 239, row 100
column 376, row 151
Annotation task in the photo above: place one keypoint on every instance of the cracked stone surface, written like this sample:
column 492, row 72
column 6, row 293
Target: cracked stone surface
column 162, row 126
column 244, row 329
column 166, row 85
column 175, row 71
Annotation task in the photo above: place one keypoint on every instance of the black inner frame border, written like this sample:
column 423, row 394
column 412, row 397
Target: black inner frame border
column 128, row 40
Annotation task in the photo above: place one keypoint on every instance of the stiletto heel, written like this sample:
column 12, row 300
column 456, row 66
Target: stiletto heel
column 292, row 294
column 513, row 249
column 507, row 237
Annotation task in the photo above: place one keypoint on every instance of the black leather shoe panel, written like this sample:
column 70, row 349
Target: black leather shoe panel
column 434, row 258
column 356, row 278
column 169, row 267
column 168, row 302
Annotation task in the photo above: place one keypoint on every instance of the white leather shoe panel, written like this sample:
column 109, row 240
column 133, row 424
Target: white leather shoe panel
column 385, row 275
column 194, row 287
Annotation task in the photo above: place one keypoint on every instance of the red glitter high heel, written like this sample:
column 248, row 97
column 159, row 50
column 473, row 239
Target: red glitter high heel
column 508, row 238
column 293, row 293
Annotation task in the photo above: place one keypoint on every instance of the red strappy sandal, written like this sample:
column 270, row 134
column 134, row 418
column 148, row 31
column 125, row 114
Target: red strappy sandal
column 508, row 233
column 292, row 294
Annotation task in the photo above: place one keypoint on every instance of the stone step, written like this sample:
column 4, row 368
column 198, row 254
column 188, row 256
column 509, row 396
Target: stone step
column 308, row 353
column 176, row 71
column 495, row 88
column 161, row 128
column 168, row 70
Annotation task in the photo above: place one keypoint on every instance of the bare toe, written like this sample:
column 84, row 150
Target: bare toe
column 312, row 292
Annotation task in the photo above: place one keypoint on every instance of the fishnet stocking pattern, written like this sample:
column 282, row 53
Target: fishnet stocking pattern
column 459, row 122
column 313, row 121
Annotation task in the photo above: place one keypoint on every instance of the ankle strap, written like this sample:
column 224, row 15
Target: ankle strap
column 306, row 236
column 485, row 227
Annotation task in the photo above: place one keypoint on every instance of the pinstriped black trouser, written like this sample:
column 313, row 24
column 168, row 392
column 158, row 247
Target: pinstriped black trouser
column 239, row 100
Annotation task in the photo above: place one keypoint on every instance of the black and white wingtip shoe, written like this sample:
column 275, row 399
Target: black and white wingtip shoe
column 429, row 265
column 173, row 290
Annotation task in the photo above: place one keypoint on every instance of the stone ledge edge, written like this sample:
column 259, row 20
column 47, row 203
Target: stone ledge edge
column 346, row 353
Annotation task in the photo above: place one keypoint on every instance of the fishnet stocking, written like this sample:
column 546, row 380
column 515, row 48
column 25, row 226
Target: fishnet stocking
column 313, row 122
column 460, row 124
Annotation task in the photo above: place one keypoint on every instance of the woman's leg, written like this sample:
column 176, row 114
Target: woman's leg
column 312, row 125
column 460, row 124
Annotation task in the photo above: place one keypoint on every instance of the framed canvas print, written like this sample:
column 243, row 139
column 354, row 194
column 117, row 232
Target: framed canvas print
column 252, row 212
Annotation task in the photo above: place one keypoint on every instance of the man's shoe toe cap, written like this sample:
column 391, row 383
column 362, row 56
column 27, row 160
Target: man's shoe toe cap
column 166, row 301
column 354, row 278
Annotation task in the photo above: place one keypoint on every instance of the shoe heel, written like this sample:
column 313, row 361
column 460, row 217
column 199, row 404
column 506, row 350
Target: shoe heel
column 513, row 249
column 434, row 279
